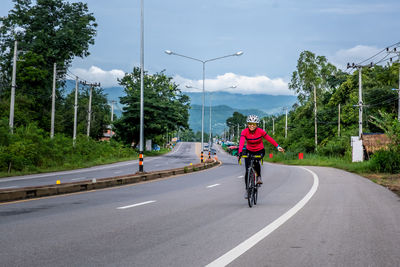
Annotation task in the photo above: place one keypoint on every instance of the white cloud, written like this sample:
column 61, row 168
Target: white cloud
column 96, row 74
column 244, row 84
column 356, row 54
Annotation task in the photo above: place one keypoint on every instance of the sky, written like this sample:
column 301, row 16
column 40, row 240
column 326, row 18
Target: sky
column 271, row 34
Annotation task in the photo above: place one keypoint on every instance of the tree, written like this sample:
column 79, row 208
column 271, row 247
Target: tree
column 312, row 71
column 49, row 31
column 237, row 118
column 165, row 107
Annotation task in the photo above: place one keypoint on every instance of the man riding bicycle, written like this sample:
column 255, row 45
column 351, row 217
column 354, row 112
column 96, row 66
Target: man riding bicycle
column 253, row 136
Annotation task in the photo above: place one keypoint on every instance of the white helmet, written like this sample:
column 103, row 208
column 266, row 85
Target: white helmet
column 253, row 118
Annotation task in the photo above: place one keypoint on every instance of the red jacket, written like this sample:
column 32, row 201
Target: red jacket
column 254, row 140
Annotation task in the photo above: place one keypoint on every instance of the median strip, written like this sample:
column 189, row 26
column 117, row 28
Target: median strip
column 12, row 194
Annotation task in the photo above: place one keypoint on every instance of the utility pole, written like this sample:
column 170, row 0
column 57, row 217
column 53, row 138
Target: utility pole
column 53, row 100
column 286, row 123
column 91, row 85
column 360, row 101
column 394, row 51
column 75, row 110
column 13, row 85
column 112, row 110
column 273, row 126
column 315, row 117
column 238, row 132
column 339, row 122
column 112, row 117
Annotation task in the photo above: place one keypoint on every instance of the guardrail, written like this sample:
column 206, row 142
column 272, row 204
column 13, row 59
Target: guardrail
column 7, row 195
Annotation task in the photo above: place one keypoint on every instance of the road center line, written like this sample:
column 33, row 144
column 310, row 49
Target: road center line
column 213, row 185
column 81, row 178
column 135, row 205
column 263, row 233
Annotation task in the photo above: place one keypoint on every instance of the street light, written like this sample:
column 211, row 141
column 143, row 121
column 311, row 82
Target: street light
column 169, row 52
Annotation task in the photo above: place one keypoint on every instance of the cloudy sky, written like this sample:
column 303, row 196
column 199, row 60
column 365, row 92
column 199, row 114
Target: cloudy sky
column 271, row 33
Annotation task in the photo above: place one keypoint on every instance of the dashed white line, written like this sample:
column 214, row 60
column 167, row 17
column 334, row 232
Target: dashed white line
column 80, row 178
column 213, row 185
column 241, row 176
column 136, row 205
column 263, row 233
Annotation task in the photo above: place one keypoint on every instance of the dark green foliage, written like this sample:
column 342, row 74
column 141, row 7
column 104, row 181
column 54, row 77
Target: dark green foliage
column 335, row 147
column 165, row 107
column 387, row 161
column 335, row 87
column 30, row 148
column 48, row 32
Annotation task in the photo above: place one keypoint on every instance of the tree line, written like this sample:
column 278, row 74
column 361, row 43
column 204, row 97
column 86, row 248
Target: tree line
column 335, row 88
column 56, row 31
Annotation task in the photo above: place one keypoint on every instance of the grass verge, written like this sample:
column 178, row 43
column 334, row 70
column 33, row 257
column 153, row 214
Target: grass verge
column 98, row 161
column 390, row 181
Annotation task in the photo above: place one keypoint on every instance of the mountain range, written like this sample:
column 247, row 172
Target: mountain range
column 223, row 105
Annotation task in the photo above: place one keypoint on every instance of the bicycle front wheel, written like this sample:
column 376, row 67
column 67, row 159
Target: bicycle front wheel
column 251, row 187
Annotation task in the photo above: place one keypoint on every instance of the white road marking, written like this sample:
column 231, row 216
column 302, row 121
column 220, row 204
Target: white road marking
column 96, row 168
column 81, row 178
column 117, row 172
column 8, row 187
column 263, row 233
column 135, row 205
column 213, row 185
column 241, row 176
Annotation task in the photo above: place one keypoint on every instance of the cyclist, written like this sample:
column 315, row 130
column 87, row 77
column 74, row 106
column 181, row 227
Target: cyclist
column 253, row 135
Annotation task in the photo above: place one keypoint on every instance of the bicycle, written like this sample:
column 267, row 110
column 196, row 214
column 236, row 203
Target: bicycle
column 252, row 186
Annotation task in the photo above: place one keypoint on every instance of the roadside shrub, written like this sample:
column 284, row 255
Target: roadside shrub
column 31, row 148
column 387, row 161
column 335, row 147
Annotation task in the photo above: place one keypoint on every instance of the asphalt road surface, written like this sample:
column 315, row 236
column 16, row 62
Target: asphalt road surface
column 310, row 216
column 182, row 155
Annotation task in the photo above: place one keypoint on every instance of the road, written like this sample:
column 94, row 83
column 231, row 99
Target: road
column 181, row 155
column 310, row 216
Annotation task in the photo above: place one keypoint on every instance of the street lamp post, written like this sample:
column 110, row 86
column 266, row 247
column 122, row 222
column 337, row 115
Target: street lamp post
column 141, row 141
column 169, row 52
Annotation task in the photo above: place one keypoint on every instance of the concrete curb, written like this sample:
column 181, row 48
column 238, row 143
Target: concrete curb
column 7, row 195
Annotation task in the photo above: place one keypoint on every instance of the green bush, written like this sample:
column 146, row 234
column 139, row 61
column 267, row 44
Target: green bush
column 335, row 147
column 387, row 161
column 31, row 149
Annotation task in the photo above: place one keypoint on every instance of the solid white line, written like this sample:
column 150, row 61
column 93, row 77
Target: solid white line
column 135, row 205
column 263, row 233
column 214, row 185
column 8, row 187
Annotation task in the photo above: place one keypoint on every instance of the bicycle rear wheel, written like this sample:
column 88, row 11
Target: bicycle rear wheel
column 251, row 187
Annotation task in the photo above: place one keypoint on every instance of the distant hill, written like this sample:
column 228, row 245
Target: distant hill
column 223, row 105
column 219, row 116
column 270, row 104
